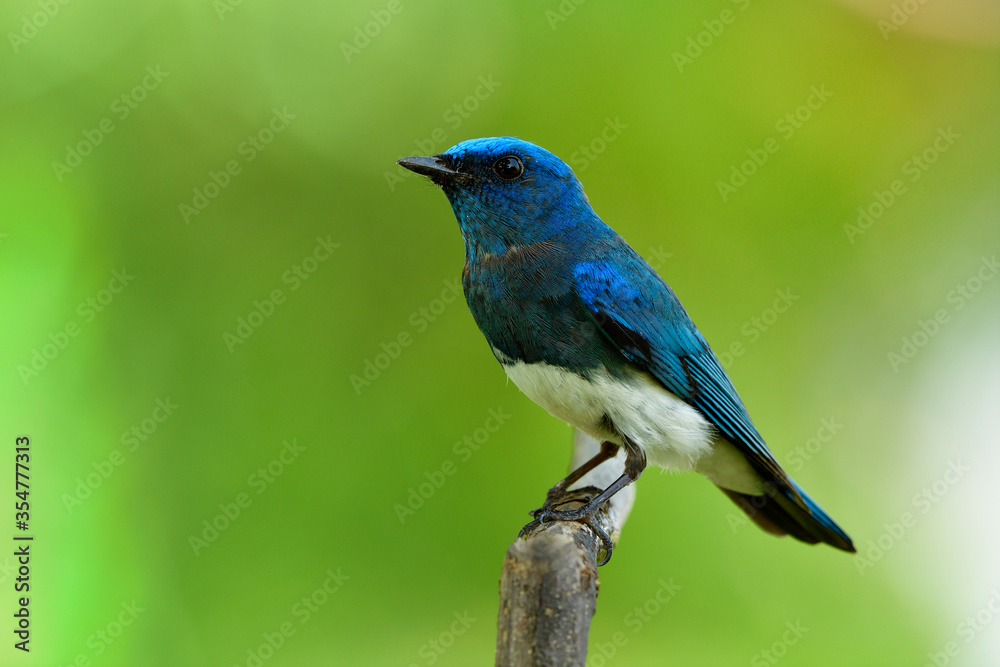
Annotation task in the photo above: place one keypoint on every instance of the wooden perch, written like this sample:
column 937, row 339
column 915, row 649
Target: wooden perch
column 548, row 588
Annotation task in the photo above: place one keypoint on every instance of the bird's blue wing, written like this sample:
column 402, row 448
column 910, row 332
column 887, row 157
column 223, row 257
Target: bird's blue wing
column 639, row 313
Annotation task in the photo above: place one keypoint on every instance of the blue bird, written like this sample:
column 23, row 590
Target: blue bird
column 590, row 332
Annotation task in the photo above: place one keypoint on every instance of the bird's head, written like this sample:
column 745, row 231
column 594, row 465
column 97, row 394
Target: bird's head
column 506, row 192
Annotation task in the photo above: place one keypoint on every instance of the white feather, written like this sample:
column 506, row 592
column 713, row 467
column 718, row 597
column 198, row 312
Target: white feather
column 673, row 435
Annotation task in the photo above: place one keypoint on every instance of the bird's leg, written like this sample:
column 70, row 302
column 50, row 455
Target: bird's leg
column 608, row 451
column 635, row 463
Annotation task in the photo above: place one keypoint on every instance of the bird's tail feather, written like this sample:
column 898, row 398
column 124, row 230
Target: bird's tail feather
column 789, row 511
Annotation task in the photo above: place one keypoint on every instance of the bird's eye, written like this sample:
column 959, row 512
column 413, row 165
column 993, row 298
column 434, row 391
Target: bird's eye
column 508, row 167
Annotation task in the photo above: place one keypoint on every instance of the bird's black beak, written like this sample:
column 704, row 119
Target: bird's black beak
column 438, row 168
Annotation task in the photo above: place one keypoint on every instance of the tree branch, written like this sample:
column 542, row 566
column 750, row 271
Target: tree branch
column 549, row 584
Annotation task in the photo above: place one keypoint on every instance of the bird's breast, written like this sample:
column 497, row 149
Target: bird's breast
column 530, row 314
column 608, row 405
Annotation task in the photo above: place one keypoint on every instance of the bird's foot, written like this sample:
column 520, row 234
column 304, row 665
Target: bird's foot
column 555, row 495
column 585, row 514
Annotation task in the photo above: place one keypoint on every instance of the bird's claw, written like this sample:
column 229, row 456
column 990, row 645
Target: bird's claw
column 528, row 528
column 606, row 542
column 544, row 514
column 554, row 496
column 581, row 515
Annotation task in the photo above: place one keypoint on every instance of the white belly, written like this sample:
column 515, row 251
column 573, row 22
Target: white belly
column 671, row 433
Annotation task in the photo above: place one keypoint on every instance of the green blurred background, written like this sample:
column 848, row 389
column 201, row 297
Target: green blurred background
column 116, row 117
